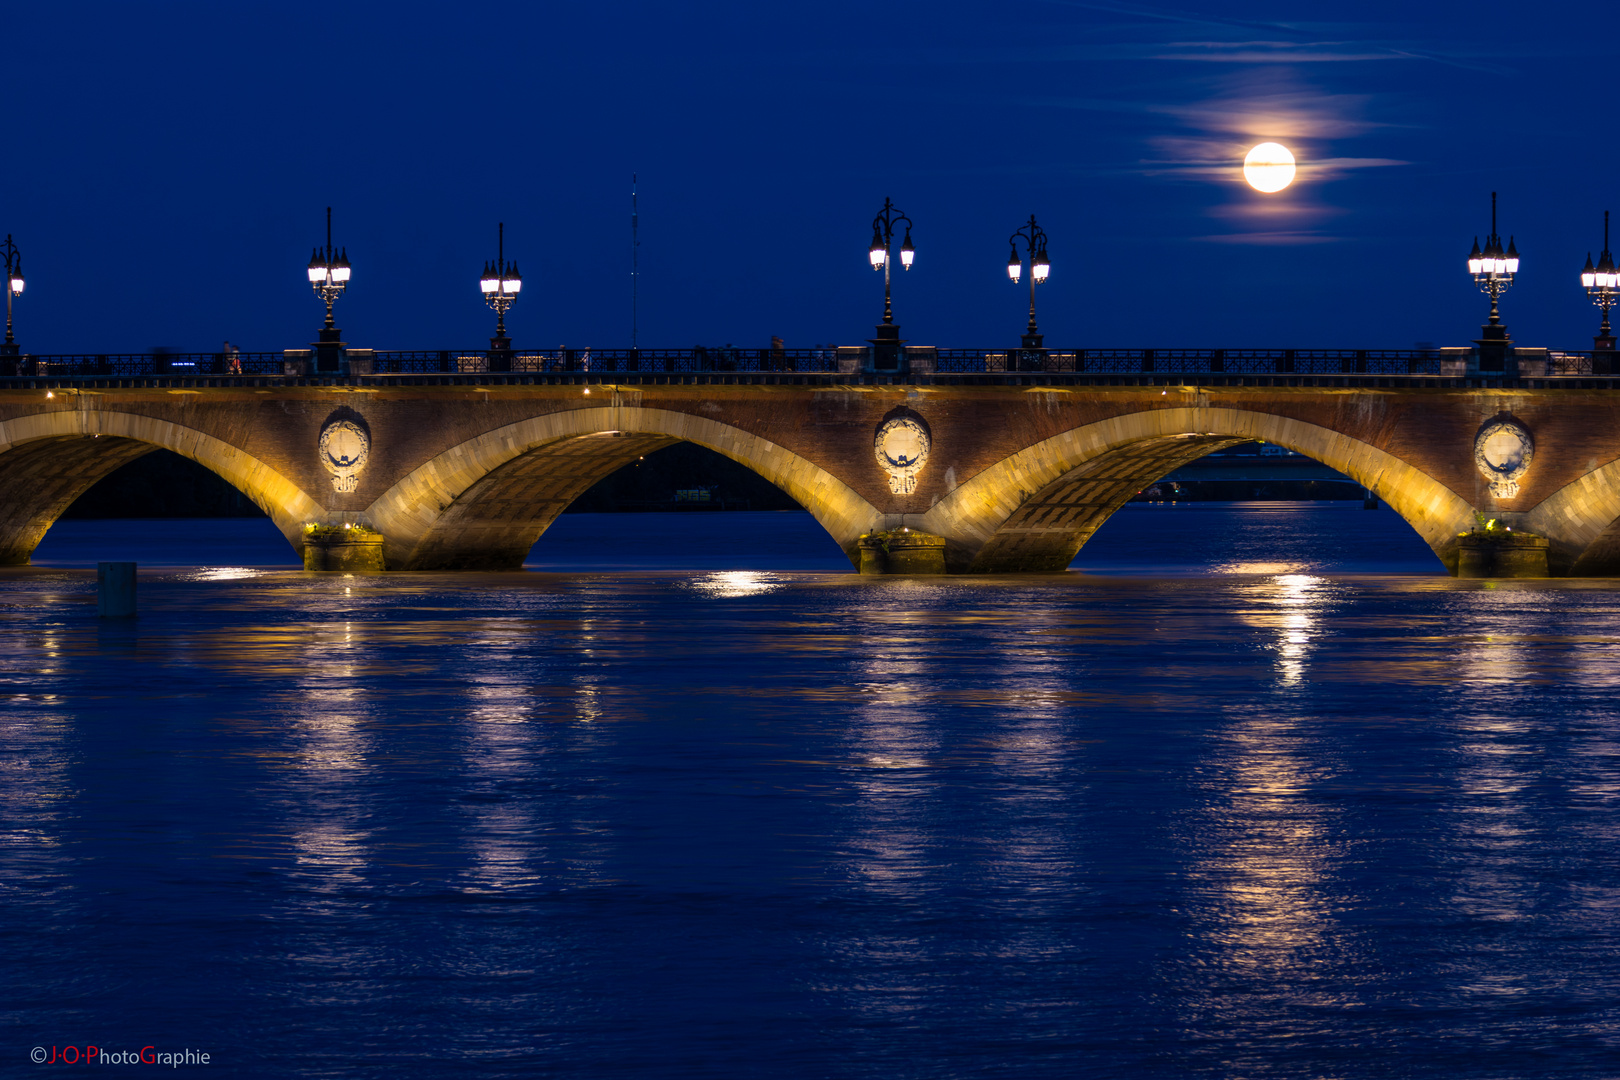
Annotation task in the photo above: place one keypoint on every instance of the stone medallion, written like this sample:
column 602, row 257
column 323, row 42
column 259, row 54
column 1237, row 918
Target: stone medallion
column 1502, row 450
column 344, row 448
column 901, row 448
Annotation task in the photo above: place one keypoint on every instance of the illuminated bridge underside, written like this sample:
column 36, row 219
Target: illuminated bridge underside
column 1048, row 530
column 39, row 481
column 495, row 522
column 468, row 472
column 483, row 502
column 1050, row 497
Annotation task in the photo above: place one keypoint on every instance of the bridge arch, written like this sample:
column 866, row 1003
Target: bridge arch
column 1034, row 510
column 1581, row 521
column 482, row 504
column 49, row 459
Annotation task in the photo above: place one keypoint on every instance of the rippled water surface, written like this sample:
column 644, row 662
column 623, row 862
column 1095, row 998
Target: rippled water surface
column 1260, row 794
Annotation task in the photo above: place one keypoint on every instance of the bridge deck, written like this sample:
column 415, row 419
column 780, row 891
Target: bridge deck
column 1014, row 379
column 466, row 469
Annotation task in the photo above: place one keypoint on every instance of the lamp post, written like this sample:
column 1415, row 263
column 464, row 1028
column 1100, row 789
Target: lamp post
column 500, row 285
column 14, row 287
column 1034, row 238
column 1603, row 286
column 329, row 275
column 1493, row 271
column 886, row 344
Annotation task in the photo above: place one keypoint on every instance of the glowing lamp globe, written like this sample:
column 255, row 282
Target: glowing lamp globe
column 1269, row 167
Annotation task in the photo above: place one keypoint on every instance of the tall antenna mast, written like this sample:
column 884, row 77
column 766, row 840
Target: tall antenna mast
column 635, row 264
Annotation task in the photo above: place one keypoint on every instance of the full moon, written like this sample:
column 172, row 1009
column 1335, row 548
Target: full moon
column 1269, row 167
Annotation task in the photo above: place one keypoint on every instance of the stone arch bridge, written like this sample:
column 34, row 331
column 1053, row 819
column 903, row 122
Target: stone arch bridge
column 1012, row 473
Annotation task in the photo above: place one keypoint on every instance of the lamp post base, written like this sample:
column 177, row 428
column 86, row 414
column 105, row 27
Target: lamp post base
column 887, row 352
column 500, row 353
column 1032, row 353
column 1495, row 347
column 329, row 352
column 1603, row 354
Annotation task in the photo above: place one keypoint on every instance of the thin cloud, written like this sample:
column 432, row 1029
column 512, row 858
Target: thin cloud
column 1270, row 239
column 1369, row 49
column 1277, row 112
column 1278, row 52
column 1174, row 16
column 1226, row 164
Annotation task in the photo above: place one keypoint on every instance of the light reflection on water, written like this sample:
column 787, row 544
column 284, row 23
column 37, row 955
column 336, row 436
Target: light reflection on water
column 762, row 822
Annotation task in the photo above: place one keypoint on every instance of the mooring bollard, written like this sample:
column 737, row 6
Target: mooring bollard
column 115, row 590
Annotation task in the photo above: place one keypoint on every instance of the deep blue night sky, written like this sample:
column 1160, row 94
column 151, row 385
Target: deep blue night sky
column 167, row 167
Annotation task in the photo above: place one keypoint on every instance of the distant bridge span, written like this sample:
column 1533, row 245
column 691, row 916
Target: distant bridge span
column 1013, row 471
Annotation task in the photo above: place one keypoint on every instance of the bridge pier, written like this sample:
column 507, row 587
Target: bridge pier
column 352, row 548
column 902, row 551
column 1501, row 554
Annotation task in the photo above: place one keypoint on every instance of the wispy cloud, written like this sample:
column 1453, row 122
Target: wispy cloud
column 1269, row 239
column 1351, row 42
column 1172, row 15
column 1278, row 52
column 1266, row 104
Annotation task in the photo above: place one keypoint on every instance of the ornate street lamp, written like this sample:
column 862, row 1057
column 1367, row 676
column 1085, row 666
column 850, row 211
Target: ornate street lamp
column 1034, row 238
column 14, row 287
column 1493, row 270
column 500, row 285
column 329, row 275
column 1602, row 284
column 886, row 345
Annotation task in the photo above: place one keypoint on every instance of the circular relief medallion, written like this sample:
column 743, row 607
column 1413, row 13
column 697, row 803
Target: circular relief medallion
column 344, row 449
column 1502, row 450
column 901, row 448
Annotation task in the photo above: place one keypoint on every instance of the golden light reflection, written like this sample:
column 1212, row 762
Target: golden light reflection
column 1504, row 657
column 222, row 573
column 332, row 747
column 501, row 745
column 891, row 743
column 336, row 696
column 1301, row 598
column 1500, row 771
column 1266, row 852
column 331, row 854
column 1260, row 568
column 588, row 706
column 36, row 786
column 731, row 583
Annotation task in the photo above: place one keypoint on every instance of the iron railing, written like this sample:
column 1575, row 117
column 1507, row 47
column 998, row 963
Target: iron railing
column 1193, row 361
column 827, row 360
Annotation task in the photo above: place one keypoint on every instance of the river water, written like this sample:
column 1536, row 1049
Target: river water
column 1255, row 791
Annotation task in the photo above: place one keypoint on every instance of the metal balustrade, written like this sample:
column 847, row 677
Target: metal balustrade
column 829, row 360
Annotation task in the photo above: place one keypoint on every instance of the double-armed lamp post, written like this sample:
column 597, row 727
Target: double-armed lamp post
column 886, row 343
column 329, row 276
column 1602, row 284
column 1493, row 270
column 500, row 285
column 1034, row 238
column 14, row 287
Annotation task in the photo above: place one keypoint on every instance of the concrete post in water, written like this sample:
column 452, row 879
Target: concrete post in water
column 115, row 590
